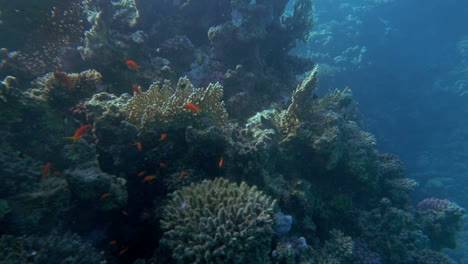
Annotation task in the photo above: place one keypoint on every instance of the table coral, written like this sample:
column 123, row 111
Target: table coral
column 219, row 222
column 163, row 105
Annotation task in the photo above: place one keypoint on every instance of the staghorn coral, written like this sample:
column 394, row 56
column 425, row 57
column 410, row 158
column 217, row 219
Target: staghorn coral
column 219, row 222
column 63, row 90
column 162, row 105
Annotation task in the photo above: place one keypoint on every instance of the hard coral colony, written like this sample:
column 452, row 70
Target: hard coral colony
column 165, row 175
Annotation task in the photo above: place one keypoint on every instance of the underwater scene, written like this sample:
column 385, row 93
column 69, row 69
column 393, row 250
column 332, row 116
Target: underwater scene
column 233, row 131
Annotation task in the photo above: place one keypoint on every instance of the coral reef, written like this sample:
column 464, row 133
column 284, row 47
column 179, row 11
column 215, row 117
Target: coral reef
column 162, row 105
column 212, row 222
column 440, row 220
column 63, row 90
column 54, row 248
column 46, row 34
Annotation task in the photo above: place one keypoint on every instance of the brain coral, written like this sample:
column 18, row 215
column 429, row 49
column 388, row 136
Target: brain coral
column 219, row 222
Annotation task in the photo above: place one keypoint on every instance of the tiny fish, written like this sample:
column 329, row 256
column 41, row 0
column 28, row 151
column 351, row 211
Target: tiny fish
column 63, row 79
column 132, row 65
column 46, row 170
column 105, row 195
column 163, row 165
column 163, row 137
column 221, row 162
column 124, row 212
column 149, row 178
column 136, row 89
column 193, row 108
column 56, row 173
column 80, row 132
column 139, row 146
column 121, row 252
column 141, row 173
column 113, row 242
column 183, row 174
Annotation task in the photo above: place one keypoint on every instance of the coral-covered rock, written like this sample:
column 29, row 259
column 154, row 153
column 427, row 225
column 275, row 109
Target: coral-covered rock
column 441, row 220
column 54, row 248
column 64, row 90
column 219, row 222
column 88, row 184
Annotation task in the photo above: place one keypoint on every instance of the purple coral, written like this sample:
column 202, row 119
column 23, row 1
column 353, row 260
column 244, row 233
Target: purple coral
column 363, row 255
column 283, row 224
column 434, row 204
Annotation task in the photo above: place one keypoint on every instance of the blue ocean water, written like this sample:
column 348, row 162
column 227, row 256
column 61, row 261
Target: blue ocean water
column 260, row 131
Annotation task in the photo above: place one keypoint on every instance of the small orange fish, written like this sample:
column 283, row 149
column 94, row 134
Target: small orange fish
column 193, row 108
column 221, row 162
column 132, row 65
column 63, row 79
column 56, row 173
column 163, row 137
column 121, row 252
column 105, row 195
column 141, row 173
column 149, row 178
column 139, row 146
column 183, row 174
column 46, row 170
column 113, row 242
column 146, row 214
column 80, row 132
column 163, row 165
column 124, row 213
column 136, row 89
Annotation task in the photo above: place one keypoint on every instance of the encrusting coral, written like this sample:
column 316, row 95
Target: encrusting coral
column 162, row 105
column 219, row 222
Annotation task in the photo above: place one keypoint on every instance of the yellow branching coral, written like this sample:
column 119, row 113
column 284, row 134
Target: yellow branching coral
column 163, row 105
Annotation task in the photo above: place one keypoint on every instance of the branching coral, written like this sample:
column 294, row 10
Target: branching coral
column 162, row 105
column 219, row 222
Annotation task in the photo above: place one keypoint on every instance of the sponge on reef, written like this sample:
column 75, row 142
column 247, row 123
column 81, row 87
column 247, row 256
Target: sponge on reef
column 219, row 222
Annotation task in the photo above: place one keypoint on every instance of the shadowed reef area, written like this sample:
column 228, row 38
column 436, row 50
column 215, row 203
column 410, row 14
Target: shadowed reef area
column 186, row 132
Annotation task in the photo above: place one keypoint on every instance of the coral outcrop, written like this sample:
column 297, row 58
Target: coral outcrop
column 219, row 222
column 64, row 90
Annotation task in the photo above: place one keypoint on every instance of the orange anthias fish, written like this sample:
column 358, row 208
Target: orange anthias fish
column 163, row 165
column 221, row 162
column 141, row 173
column 139, row 146
column 63, row 79
column 132, row 65
column 149, row 178
column 183, row 174
column 136, row 89
column 56, row 173
column 105, row 195
column 163, row 137
column 193, row 108
column 46, row 170
column 80, row 132
column 113, row 242
column 123, row 251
